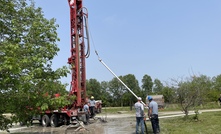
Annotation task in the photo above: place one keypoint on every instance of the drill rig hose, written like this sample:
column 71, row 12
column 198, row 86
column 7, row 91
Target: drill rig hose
column 85, row 17
column 87, row 36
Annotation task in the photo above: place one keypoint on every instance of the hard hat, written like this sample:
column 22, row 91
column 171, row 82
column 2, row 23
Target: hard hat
column 139, row 98
column 149, row 98
column 92, row 97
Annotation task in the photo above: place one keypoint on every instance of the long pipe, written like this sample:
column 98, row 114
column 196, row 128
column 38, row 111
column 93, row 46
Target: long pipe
column 119, row 79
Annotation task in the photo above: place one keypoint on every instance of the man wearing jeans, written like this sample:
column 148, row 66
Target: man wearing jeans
column 139, row 115
column 92, row 106
column 153, row 115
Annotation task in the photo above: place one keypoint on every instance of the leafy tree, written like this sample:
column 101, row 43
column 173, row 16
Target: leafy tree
column 205, row 84
column 217, row 82
column 215, row 91
column 217, row 85
column 192, row 92
column 132, row 83
column 105, row 94
column 157, row 86
column 168, row 94
column 147, row 84
column 213, row 95
column 27, row 47
column 93, row 88
column 116, row 91
column 187, row 95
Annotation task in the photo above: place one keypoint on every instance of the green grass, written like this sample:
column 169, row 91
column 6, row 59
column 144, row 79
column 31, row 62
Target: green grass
column 208, row 123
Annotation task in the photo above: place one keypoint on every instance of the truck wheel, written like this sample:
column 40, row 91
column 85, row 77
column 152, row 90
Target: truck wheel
column 54, row 120
column 45, row 121
column 66, row 120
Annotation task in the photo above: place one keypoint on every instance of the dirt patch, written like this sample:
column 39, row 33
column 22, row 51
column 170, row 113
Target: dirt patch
column 120, row 126
column 125, row 125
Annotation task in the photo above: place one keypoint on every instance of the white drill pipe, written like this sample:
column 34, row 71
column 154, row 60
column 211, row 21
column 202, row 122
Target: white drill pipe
column 120, row 80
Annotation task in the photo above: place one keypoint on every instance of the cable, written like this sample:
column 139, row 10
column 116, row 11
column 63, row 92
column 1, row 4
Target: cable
column 89, row 31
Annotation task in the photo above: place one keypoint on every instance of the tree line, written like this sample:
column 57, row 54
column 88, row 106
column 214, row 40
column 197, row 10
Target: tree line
column 192, row 90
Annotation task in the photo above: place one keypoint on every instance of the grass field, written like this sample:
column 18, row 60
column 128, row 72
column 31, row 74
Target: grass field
column 208, row 123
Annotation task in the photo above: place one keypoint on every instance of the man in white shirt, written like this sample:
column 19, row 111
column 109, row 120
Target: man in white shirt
column 92, row 106
column 139, row 115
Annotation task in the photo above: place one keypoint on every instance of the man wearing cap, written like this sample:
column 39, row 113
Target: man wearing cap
column 92, row 106
column 153, row 115
column 139, row 115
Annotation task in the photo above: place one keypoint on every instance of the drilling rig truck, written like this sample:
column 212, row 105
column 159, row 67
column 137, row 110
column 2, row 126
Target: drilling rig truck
column 78, row 34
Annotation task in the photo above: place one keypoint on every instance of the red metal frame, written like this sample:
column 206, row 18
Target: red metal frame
column 77, row 58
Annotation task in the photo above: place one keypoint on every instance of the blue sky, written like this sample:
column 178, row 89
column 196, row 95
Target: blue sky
column 161, row 38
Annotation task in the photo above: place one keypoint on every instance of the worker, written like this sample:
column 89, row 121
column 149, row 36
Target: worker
column 139, row 115
column 153, row 115
column 87, row 111
column 92, row 106
column 219, row 100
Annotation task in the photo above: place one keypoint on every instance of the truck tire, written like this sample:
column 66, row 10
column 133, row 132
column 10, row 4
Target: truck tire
column 45, row 121
column 66, row 120
column 54, row 120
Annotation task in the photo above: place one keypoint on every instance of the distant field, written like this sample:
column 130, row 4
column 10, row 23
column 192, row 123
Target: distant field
column 168, row 107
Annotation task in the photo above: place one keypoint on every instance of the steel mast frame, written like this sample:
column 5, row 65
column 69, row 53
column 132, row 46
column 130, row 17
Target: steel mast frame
column 77, row 58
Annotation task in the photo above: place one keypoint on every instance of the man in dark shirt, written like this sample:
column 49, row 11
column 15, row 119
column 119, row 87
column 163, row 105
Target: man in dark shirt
column 153, row 115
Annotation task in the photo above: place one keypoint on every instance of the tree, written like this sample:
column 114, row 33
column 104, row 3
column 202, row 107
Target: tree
column 132, row 83
column 217, row 82
column 93, row 88
column 105, row 94
column 147, row 84
column 216, row 90
column 192, row 92
column 117, row 90
column 27, row 48
column 168, row 94
column 158, row 86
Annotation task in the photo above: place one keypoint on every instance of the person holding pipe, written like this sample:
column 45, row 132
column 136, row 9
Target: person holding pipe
column 139, row 115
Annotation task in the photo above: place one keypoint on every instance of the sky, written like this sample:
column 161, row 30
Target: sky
column 165, row 39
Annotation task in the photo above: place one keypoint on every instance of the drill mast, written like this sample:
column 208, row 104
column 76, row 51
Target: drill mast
column 77, row 58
